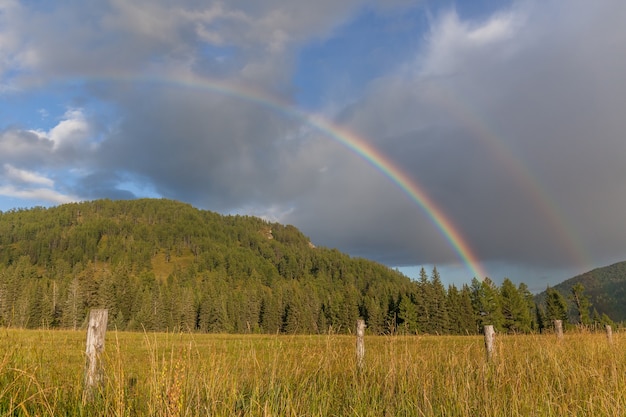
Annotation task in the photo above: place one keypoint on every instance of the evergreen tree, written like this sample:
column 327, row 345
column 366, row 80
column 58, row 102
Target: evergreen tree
column 531, row 306
column 73, row 312
column 514, row 309
column 466, row 318
column 439, row 305
column 407, row 315
column 425, row 305
column 556, row 307
column 374, row 314
column 270, row 319
column 486, row 302
column 540, row 318
column 581, row 303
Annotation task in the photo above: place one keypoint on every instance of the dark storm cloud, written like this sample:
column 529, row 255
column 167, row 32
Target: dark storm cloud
column 198, row 146
column 546, row 95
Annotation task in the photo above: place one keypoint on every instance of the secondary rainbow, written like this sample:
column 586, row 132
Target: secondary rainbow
column 345, row 137
column 494, row 143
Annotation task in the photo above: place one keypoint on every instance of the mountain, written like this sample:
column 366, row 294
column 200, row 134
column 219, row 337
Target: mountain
column 161, row 264
column 605, row 287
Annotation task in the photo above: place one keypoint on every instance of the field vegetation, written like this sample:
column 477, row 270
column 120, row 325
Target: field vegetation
column 183, row 374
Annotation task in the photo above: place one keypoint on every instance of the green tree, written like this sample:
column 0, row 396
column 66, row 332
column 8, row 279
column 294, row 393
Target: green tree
column 439, row 305
column 486, row 302
column 270, row 313
column 460, row 311
column 425, row 304
column 73, row 312
column 531, row 306
column 556, row 307
column 407, row 315
column 374, row 314
column 581, row 303
column 466, row 318
column 514, row 308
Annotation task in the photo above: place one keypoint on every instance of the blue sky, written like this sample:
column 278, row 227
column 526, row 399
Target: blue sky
column 506, row 114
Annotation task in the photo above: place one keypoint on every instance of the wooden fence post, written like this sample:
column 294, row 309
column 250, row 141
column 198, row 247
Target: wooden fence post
column 609, row 334
column 360, row 343
column 489, row 337
column 95, row 346
column 558, row 328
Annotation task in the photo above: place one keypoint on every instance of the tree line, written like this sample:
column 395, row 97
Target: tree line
column 164, row 265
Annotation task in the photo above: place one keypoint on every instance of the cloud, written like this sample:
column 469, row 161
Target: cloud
column 24, row 147
column 104, row 39
column 46, row 165
column 512, row 125
column 455, row 41
column 37, row 194
column 24, row 176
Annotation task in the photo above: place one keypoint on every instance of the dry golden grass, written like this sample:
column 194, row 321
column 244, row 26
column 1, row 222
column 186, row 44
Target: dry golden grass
column 223, row 375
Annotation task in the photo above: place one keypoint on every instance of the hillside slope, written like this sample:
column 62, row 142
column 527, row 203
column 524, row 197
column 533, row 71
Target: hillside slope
column 605, row 287
column 160, row 264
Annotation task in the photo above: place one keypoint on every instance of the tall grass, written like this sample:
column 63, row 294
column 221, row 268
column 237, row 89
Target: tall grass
column 41, row 373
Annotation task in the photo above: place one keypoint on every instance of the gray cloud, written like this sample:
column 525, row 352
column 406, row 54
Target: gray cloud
column 513, row 126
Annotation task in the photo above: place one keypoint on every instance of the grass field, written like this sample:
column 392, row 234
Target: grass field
column 41, row 374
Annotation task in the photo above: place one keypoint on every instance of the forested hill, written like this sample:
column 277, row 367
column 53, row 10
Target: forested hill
column 605, row 287
column 160, row 264
column 165, row 265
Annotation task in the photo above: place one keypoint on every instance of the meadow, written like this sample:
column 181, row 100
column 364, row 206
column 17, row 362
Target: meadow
column 178, row 374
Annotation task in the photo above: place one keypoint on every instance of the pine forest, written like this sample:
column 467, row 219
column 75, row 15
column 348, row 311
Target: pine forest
column 164, row 265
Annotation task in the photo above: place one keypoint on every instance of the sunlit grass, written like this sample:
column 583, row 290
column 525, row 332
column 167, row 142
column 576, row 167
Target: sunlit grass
column 41, row 373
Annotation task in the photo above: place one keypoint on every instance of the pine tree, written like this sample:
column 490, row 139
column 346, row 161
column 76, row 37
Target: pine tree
column 270, row 313
column 556, row 307
column 73, row 312
column 514, row 308
column 581, row 303
column 407, row 315
column 466, row 318
column 487, row 304
column 531, row 306
column 461, row 312
column 439, row 315
column 425, row 305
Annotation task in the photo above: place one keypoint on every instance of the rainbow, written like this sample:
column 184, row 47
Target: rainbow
column 342, row 135
column 493, row 142
column 409, row 186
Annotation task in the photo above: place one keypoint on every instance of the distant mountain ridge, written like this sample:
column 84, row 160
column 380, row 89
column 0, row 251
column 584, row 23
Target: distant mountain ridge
column 605, row 287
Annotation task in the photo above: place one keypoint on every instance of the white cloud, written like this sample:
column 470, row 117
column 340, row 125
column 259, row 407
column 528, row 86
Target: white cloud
column 61, row 152
column 452, row 41
column 24, row 176
column 38, row 194
column 72, row 131
column 21, row 147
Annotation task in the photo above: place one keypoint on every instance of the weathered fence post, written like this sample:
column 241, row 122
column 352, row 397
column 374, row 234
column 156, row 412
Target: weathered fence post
column 489, row 337
column 95, row 346
column 609, row 334
column 360, row 343
column 558, row 329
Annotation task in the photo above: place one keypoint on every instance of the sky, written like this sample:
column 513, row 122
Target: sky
column 482, row 137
